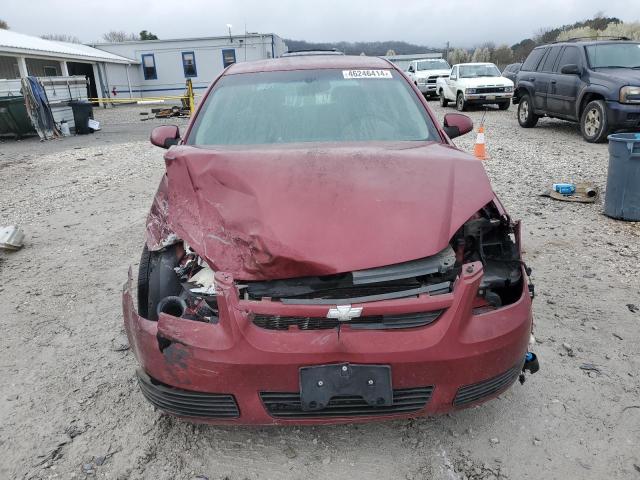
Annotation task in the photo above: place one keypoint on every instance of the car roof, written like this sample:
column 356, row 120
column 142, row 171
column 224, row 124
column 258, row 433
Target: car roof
column 310, row 62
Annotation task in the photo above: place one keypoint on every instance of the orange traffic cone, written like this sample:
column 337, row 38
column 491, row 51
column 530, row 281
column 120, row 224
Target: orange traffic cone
column 479, row 149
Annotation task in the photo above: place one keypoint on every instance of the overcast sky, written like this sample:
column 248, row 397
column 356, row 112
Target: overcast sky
column 427, row 22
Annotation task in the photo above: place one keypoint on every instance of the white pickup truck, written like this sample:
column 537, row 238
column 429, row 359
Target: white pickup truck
column 475, row 84
column 424, row 73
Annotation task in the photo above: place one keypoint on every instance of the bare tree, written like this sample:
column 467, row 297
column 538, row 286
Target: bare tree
column 117, row 36
column 502, row 56
column 481, row 55
column 458, row 55
column 3, row 25
column 60, row 37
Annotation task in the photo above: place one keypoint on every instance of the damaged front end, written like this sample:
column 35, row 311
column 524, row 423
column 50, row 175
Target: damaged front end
column 488, row 237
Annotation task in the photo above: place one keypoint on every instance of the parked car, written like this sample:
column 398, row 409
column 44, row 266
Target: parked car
column 593, row 82
column 319, row 251
column 511, row 71
column 475, row 84
column 424, row 74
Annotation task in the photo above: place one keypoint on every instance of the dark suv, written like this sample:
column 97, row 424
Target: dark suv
column 511, row 71
column 593, row 82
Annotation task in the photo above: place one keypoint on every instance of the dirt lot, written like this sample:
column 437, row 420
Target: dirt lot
column 70, row 406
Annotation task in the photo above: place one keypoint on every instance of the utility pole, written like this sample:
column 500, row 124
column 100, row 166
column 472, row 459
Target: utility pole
column 446, row 52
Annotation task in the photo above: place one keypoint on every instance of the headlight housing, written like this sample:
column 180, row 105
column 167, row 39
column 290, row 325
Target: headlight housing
column 470, row 90
column 630, row 94
column 422, row 81
column 508, row 89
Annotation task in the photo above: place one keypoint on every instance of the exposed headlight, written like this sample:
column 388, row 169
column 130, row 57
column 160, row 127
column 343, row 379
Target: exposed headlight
column 422, row 81
column 630, row 95
column 508, row 89
column 470, row 90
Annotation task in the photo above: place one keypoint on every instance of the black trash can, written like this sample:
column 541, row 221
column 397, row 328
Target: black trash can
column 623, row 181
column 82, row 112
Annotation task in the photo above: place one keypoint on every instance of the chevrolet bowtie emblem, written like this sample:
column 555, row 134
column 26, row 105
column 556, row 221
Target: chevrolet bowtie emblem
column 344, row 313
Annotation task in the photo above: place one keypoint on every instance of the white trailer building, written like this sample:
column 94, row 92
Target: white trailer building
column 24, row 55
column 164, row 65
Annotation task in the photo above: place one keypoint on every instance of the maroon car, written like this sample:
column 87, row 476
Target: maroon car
column 318, row 251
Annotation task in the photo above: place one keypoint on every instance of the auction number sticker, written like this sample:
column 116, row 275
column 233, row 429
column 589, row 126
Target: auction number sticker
column 366, row 74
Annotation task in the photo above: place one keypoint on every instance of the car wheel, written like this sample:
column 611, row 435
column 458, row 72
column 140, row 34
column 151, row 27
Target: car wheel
column 156, row 280
column 526, row 117
column 594, row 124
column 504, row 105
column 443, row 100
column 460, row 103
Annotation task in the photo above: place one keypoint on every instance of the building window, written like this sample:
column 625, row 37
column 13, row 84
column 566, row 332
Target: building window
column 50, row 71
column 189, row 64
column 228, row 57
column 149, row 66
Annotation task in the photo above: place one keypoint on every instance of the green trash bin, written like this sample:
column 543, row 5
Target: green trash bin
column 13, row 117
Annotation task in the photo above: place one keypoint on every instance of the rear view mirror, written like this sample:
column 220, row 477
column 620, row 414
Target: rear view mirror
column 456, row 124
column 165, row 136
column 570, row 69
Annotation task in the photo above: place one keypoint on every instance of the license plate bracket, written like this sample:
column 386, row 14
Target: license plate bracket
column 319, row 384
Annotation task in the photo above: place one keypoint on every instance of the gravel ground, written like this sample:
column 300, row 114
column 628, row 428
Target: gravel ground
column 70, row 407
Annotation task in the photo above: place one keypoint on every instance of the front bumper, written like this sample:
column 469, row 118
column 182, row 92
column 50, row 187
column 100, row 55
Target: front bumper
column 427, row 88
column 623, row 116
column 459, row 360
column 486, row 98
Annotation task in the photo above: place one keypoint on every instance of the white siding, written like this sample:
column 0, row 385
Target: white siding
column 168, row 60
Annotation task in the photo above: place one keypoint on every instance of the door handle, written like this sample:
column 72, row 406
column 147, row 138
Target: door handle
column 532, row 79
column 553, row 82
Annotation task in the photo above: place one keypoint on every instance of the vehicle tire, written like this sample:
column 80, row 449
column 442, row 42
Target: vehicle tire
column 594, row 124
column 461, row 105
column 156, row 280
column 504, row 105
column 443, row 100
column 526, row 117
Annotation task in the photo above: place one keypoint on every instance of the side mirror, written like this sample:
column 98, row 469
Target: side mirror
column 165, row 136
column 410, row 68
column 570, row 69
column 456, row 124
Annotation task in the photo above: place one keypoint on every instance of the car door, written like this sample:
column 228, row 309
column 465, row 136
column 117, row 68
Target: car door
column 564, row 87
column 451, row 84
column 544, row 76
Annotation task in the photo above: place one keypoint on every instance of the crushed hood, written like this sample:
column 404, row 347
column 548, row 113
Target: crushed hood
column 282, row 212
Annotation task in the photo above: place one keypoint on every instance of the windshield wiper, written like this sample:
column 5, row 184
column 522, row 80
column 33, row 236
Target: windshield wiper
column 615, row 66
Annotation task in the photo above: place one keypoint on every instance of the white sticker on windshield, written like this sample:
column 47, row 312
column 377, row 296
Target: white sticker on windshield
column 366, row 74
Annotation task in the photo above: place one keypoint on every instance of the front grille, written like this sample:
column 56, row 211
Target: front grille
column 287, row 405
column 433, row 79
column 186, row 403
column 478, row 391
column 375, row 322
column 490, row 90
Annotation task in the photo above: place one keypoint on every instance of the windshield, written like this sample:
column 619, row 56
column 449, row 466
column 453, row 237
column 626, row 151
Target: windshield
column 433, row 65
column 624, row 55
column 484, row 70
column 311, row 106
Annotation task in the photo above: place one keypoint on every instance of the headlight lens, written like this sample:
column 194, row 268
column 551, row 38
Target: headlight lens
column 630, row 95
column 422, row 81
column 508, row 89
column 470, row 90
